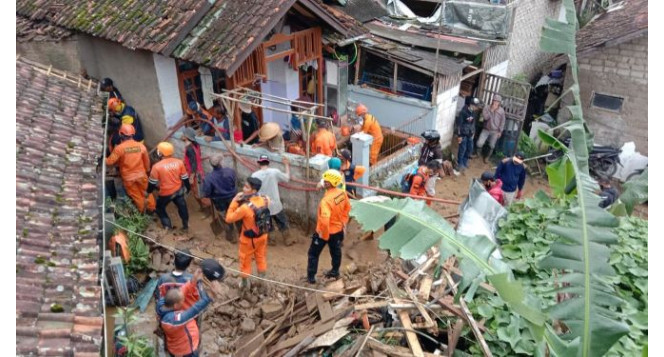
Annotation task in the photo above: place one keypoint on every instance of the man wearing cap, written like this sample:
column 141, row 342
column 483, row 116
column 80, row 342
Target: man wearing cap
column 177, row 278
column 465, row 130
column 270, row 178
column 493, row 186
column 270, row 137
column 324, row 142
column 512, row 173
column 106, row 85
column 251, row 246
column 219, row 186
column 494, row 124
column 249, row 123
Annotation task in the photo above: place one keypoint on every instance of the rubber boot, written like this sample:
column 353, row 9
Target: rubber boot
column 244, row 284
column 488, row 155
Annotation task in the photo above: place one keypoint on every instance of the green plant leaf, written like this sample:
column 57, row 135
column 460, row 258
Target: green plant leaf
column 636, row 191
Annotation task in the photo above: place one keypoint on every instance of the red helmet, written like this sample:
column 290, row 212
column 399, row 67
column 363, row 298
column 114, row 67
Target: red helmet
column 114, row 105
column 127, row 130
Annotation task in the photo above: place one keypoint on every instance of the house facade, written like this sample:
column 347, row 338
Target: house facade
column 612, row 54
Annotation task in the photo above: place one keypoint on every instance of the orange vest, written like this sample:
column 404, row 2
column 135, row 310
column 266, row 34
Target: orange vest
column 419, row 181
column 333, row 213
column 372, row 127
column 324, row 143
column 132, row 158
column 168, row 174
column 243, row 212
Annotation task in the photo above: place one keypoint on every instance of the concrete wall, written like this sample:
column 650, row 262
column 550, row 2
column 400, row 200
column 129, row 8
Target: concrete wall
column 295, row 201
column 393, row 111
column 620, row 70
column 169, row 91
column 62, row 55
column 524, row 54
column 134, row 74
column 446, row 105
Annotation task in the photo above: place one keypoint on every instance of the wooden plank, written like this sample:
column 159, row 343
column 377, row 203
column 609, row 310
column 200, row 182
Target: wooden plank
column 393, row 350
column 470, row 319
column 311, row 302
column 317, row 331
column 251, row 344
column 324, row 308
column 453, row 334
column 449, row 305
column 425, row 288
column 329, row 338
column 335, row 288
column 411, row 337
column 300, row 346
column 371, row 305
column 429, row 322
column 365, row 341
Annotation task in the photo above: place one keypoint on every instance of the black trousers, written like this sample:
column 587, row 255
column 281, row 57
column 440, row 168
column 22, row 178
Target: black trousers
column 316, row 247
column 178, row 199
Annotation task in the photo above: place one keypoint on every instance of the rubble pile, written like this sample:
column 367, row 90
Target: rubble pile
column 391, row 310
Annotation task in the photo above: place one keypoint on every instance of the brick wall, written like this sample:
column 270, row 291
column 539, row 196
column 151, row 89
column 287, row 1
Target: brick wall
column 524, row 54
column 620, row 70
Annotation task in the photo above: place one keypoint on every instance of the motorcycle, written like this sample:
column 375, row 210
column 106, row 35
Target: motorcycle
column 602, row 163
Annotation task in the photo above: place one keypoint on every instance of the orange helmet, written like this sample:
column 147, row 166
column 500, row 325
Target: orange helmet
column 361, row 109
column 165, row 148
column 127, row 130
column 114, row 105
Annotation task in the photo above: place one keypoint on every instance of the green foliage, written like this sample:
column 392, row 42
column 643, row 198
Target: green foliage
column 584, row 245
column 137, row 345
column 630, row 259
column 636, row 191
column 129, row 217
column 527, row 146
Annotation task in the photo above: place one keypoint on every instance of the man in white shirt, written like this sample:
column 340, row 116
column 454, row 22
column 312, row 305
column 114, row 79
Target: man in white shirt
column 270, row 188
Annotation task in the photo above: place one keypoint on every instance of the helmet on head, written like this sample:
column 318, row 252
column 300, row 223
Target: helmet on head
column 334, row 163
column 212, row 270
column 431, row 135
column 127, row 130
column 361, row 109
column 114, row 105
column 165, row 149
column 333, row 177
column 106, row 82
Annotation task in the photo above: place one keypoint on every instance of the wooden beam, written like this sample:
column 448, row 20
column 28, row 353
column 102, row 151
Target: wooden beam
column 425, row 288
column 317, row 331
column 279, row 55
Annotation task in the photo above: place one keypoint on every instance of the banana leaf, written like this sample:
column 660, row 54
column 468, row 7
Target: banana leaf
column 636, row 191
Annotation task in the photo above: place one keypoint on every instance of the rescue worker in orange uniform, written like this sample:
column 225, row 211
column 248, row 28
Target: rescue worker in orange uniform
column 324, row 142
column 252, row 244
column 350, row 171
column 332, row 218
column 178, row 318
column 123, row 114
column 170, row 176
column 424, row 174
column 369, row 125
column 134, row 164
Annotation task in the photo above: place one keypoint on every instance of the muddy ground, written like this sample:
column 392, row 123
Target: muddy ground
column 223, row 324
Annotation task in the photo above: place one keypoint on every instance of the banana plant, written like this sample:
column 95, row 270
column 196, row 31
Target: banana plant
column 592, row 325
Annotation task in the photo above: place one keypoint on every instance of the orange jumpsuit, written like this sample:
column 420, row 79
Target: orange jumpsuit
column 325, row 143
column 372, row 127
column 120, row 239
column 249, row 247
column 169, row 174
column 419, row 181
column 134, row 163
column 333, row 213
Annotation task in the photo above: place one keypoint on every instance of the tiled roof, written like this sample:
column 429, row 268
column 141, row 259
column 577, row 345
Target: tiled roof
column 354, row 27
column 58, row 137
column 39, row 31
column 136, row 24
column 622, row 20
column 231, row 30
column 363, row 10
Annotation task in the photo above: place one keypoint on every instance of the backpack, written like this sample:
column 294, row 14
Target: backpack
column 407, row 180
column 262, row 219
